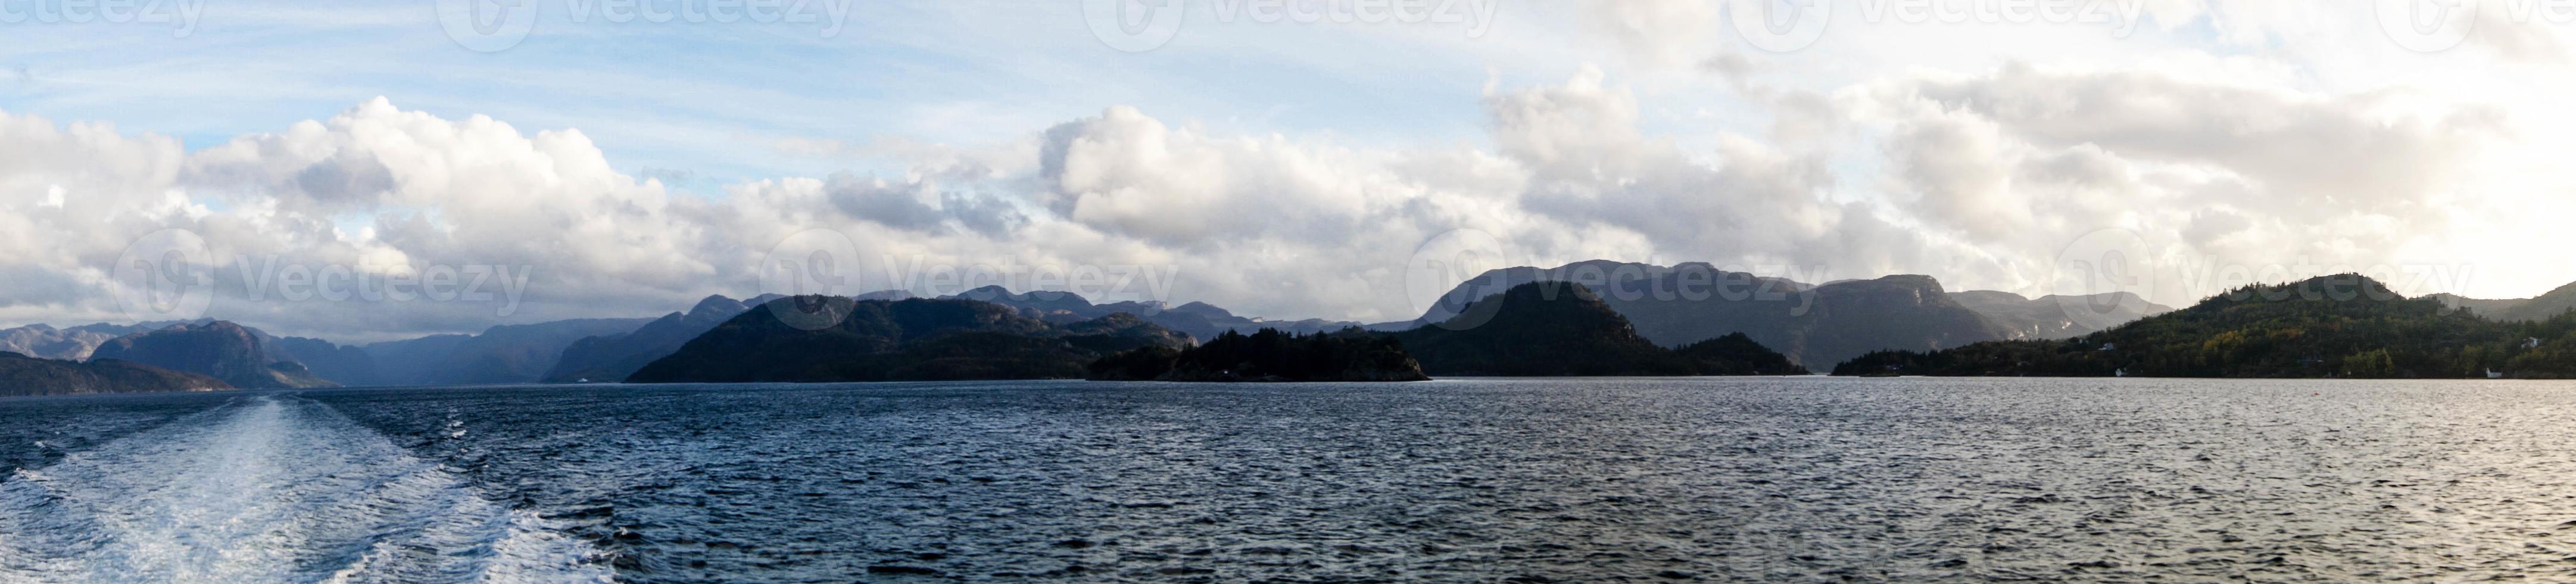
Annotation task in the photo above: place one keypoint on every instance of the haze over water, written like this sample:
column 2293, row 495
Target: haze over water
column 1801, row 479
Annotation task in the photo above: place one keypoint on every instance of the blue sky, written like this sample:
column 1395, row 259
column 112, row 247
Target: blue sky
column 709, row 98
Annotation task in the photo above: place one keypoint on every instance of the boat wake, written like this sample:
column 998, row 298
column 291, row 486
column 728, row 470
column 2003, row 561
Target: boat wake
column 269, row 489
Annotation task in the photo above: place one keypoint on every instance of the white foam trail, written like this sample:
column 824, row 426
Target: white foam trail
column 269, row 489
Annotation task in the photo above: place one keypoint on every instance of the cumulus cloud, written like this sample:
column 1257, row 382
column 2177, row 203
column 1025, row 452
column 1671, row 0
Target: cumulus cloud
column 1979, row 177
column 2026, row 158
column 1657, row 31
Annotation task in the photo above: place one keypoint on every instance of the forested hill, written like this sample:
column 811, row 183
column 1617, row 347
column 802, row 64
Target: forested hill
column 1564, row 329
column 21, row 375
column 2334, row 326
column 836, row 339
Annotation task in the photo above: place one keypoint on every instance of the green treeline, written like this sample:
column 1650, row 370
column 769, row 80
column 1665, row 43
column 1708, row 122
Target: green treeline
column 2335, row 326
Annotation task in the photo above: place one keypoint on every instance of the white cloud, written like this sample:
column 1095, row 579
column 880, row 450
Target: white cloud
column 2255, row 132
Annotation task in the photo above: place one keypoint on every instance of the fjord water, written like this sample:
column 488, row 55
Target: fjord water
column 1803, row 479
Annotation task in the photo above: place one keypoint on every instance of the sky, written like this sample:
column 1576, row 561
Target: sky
column 364, row 171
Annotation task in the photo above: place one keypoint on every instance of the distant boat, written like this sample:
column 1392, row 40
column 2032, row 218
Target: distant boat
column 2121, row 372
column 2492, row 374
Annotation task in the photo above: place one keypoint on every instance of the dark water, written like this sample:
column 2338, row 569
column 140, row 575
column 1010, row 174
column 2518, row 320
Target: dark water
column 1486, row 480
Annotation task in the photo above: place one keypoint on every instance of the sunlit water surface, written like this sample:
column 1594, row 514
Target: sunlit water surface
column 1487, row 480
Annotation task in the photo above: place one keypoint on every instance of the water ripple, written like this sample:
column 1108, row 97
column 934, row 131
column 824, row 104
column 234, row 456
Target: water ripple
column 1473, row 480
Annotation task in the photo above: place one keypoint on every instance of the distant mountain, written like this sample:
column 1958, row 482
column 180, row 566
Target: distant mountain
column 74, row 343
column 1614, row 278
column 2049, row 317
column 1267, row 355
column 609, row 358
column 2545, row 307
column 47, row 342
column 2492, row 309
column 1552, row 328
column 2556, row 302
column 917, row 339
column 503, row 354
column 1815, row 325
column 21, row 375
column 2336, row 326
column 218, row 349
column 1200, row 320
column 346, row 365
column 414, row 361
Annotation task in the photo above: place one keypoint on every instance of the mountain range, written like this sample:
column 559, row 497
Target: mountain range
column 2057, row 317
column 609, row 358
column 1551, row 328
column 2335, row 326
column 2543, row 307
column 218, row 349
column 250, row 358
column 73, row 343
column 499, row 355
column 1199, row 319
column 1671, row 307
column 899, row 340
column 1818, row 325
